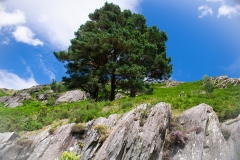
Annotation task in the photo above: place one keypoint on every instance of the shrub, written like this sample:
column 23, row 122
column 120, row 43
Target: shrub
column 57, row 87
column 69, row 156
column 52, row 130
column 78, row 128
column 24, row 142
column 103, row 130
column 32, row 125
column 208, row 85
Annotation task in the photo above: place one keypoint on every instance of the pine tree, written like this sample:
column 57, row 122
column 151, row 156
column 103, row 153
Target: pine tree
column 115, row 47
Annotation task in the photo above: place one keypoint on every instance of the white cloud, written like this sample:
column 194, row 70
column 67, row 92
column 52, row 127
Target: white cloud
column 12, row 81
column 57, row 20
column 25, row 35
column 45, row 69
column 229, row 11
column 205, row 10
column 11, row 18
column 6, row 41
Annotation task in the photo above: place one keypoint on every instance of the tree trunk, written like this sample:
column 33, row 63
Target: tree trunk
column 113, row 87
column 132, row 92
column 94, row 92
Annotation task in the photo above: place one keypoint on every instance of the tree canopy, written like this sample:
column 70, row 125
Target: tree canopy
column 118, row 48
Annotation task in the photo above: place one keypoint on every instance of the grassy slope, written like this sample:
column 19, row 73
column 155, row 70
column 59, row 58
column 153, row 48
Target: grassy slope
column 34, row 115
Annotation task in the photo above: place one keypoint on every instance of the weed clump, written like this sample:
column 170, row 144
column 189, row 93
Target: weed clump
column 176, row 136
column 78, row 129
column 103, row 130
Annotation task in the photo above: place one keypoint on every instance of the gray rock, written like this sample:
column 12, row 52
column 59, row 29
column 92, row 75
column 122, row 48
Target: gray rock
column 50, row 146
column 14, row 148
column 231, row 132
column 16, row 99
column 118, row 96
column 8, row 136
column 41, row 97
column 4, row 98
column 129, row 140
column 206, row 141
column 72, row 96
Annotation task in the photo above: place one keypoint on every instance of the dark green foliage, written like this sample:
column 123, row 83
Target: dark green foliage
column 117, row 47
column 208, row 85
column 32, row 125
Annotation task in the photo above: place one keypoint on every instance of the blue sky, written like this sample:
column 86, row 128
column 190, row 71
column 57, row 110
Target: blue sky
column 203, row 36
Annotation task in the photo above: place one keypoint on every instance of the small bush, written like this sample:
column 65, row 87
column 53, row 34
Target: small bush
column 52, row 130
column 69, row 156
column 101, row 128
column 32, row 125
column 57, row 87
column 78, row 128
column 208, row 85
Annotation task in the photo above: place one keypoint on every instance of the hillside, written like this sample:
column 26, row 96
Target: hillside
column 148, row 132
column 38, row 106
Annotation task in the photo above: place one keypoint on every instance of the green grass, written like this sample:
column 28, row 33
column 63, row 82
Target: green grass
column 34, row 115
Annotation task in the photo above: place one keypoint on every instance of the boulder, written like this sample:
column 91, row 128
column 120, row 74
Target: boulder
column 16, row 99
column 41, row 97
column 72, row 96
column 118, row 96
column 205, row 139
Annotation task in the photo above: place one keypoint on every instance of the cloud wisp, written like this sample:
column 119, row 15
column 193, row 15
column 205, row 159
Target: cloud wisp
column 205, row 10
column 45, row 69
column 10, row 80
column 6, row 41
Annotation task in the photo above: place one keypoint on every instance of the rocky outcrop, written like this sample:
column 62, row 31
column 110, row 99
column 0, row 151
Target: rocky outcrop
column 140, row 134
column 15, row 100
column 72, row 96
column 171, row 83
column 223, row 81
